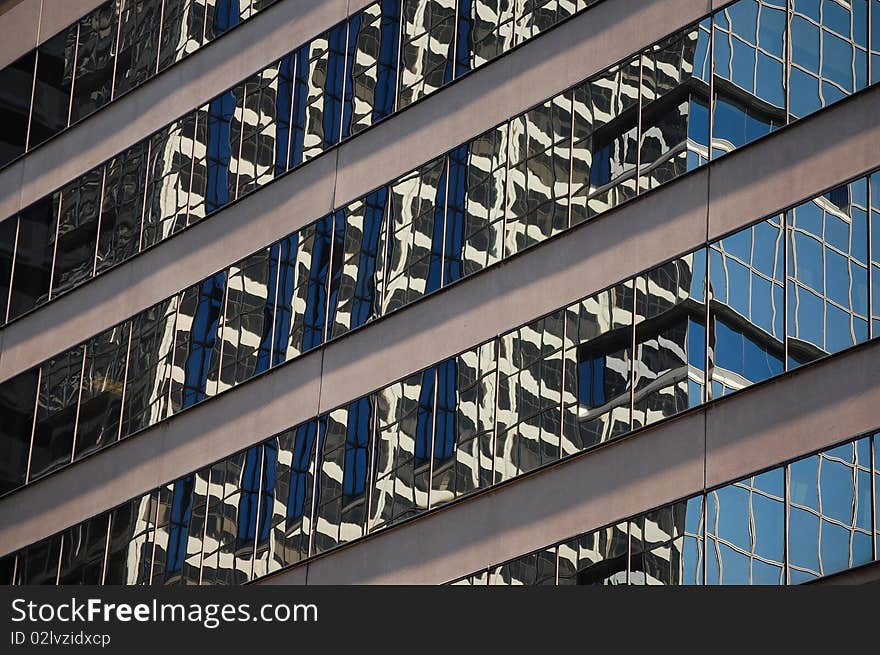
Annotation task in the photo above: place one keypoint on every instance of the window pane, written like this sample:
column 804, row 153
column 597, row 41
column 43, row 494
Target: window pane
column 77, row 231
column 529, row 394
column 475, row 205
column 130, row 552
column 463, row 444
column 371, row 65
column 16, row 85
column 598, row 364
column 138, row 43
column 8, row 233
column 183, row 22
column 56, row 412
column 875, row 250
column 94, row 61
column 32, row 274
column 38, row 563
column 670, row 323
column 828, row 274
column 122, row 206
column 417, row 211
column 426, row 49
column 180, row 526
column 52, row 86
column 223, row 15
column 596, row 558
column 875, row 41
column 746, row 312
column 18, row 398
column 666, row 545
column 358, row 263
column 101, row 396
column 82, row 559
column 485, row 31
column 529, row 570
column 536, row 16
column 215, row 153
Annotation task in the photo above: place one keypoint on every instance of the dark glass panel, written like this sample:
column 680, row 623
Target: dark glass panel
column 534, row 569
column 149, row 367
column 539, row 162
column 427, row 43
column 371, row 66
column 196, row 368
column 215, row 153
column 77, row 237
column 343, row 473
column 597, row 558
column 8, row 233
column 183, row 24
column 666, row 545
column 358, row 263
column 286, row 500
column 745, row 524
column 82, row 556
column 475, row 205
column 18, row 397
column 301, row 312
column 38, row 563
column 32, row 273
column 485, row 31
column 122, row 206
column 101, row 396
column 670, row 319
column 130, row 552
column 598, row 368
column 415, row 250
column 7, row 570
column 405, row 432
column 529, row 420
column 56, row 412
column 180, row 528
column 465, row 424
column 95, row 52
column 828, row 273
column 746, row 310
column 749, row 65
column 536, row 16
column 138, row 47
column 52, row 87
column 16, row 86
column 223, row 15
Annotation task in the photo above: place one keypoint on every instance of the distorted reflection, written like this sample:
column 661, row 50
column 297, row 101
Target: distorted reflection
column 529, row 570
column 597, row 558
column 427, row 44
column 666, row 545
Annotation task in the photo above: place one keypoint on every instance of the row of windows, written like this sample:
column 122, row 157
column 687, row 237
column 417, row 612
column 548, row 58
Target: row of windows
column 795, row 523
column 629, row 129
column 110, row 51
column 701, row 326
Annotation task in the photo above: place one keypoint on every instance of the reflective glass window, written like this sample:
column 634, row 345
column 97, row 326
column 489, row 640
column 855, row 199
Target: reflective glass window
column 829, row 53
column 168, row 180
column 675, row 106
column 605, row 137
column 246, row 324
column 666, row 545
column 57, row 405
column 286, row 519
column 38, row 563
column 875, row 41
column 223, row 15
column 534, row 569
column 180, row 528
column 130, row 551
column 18, row 397
column 475, row 580
column 358, row 263
column 138, row 47
column 100, row 404
column 343, row 472
column 485, row 31
column 82, row 554
column 197, row 344
column 51, row 105
column 829, row 516
column 216, row 150
column 536, row 16
column 539, row 158
column 32, row 272
column 122, row 206
column 16, row 86
column 746, row 309
column 876, row 448
column 77, row 237
column 529, row 394
column 463, row 442
column 475, row 205
column 149, row 367
column 598, row 368
column 745, row 525
column 749, row 65
column 183, row 23
column 417, row 208
column 670, row 320
column 303, row 268
column 8, row 234
column 427, row 43
column 828, row 273
column 596, row 558
column 95, row 53
column 371, row 66
column 875, row 252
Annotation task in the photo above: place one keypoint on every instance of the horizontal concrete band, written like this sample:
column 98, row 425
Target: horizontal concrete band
column 769, row 424
column 167, row 96
column 786, row 167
